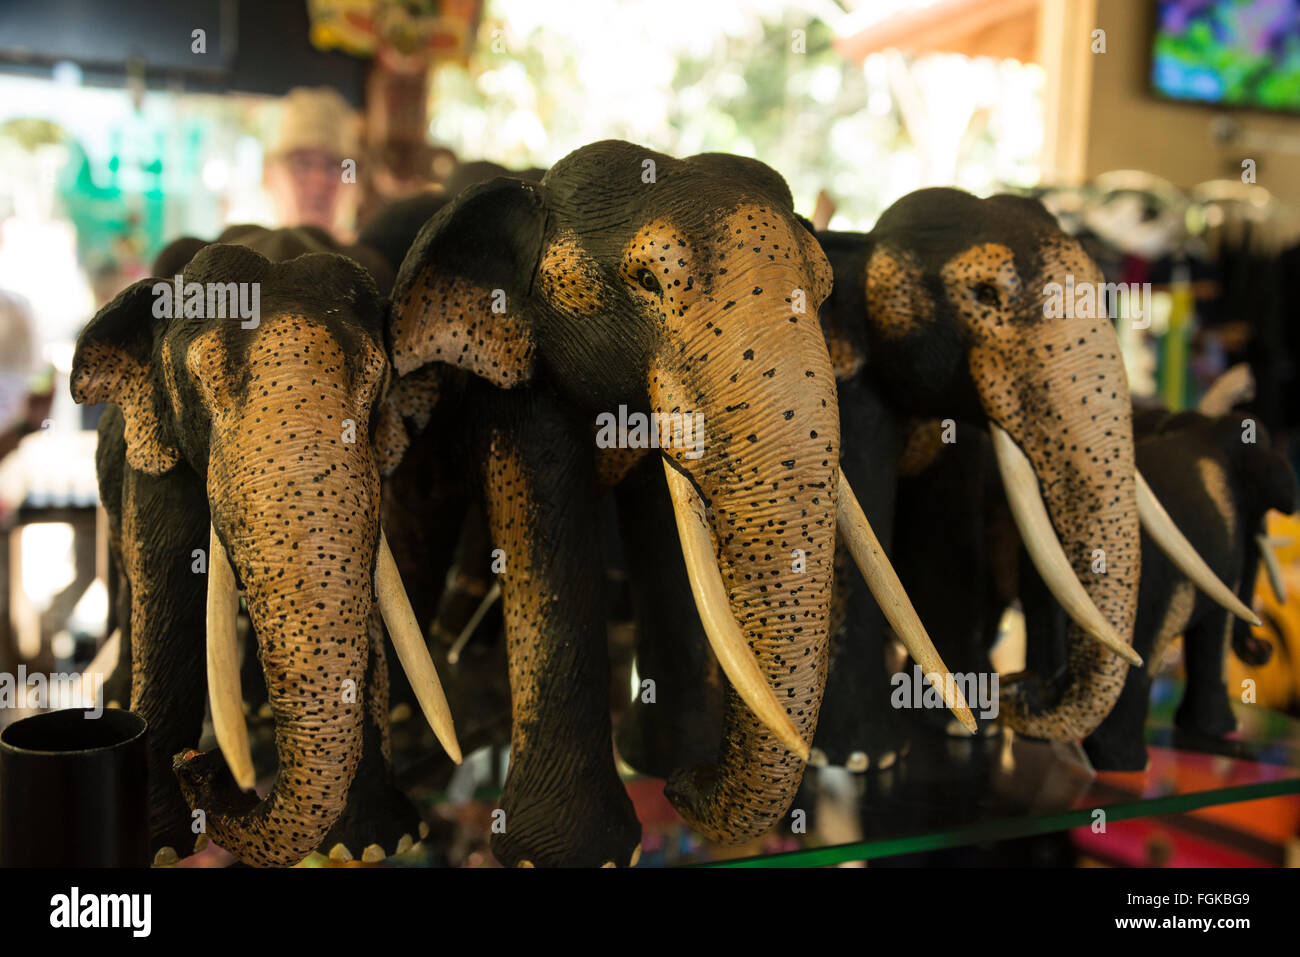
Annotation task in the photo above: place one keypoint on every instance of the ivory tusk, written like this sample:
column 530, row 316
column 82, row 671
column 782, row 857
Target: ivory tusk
column 1173, row 543
column 413, row 653
column 467, row 632
column 224, row 693
column 893, row 601
column 725, row 637
column 1045, row 549
column 1272, row 566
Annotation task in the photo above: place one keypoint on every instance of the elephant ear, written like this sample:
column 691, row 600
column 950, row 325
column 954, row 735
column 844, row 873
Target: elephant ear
column 844, row 313
column 461, row 296
column 177, row 254
column 1264, row 474
column 410, row 399
column 113, row 362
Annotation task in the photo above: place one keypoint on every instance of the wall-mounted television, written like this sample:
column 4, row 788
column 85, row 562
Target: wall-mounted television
column 1242, row 53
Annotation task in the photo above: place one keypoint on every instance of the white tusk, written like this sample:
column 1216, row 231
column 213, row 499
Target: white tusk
column 224, row 693
column 467, row 632
column 412, row 652
column 1173, row 543
column 1271, row 564
column 893, row 601
column 725, row 637
column 1045, row 549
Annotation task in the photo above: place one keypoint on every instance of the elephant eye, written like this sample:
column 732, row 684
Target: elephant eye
column 987, row 294
column 647, row 281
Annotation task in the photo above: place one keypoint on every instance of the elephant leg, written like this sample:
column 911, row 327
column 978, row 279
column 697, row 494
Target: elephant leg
column 1119, row 743
column 675, row 722
column 378, row 819
column 1204, row 708
column 563, row 802
column 1164, row 612
column 165, row 519
column 940, row 555
column 857, row 727
column 1046, row 651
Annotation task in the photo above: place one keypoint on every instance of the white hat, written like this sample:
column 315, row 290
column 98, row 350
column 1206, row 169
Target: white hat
column 317, row 118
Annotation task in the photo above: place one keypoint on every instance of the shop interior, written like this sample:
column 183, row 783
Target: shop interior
column 1122, row 654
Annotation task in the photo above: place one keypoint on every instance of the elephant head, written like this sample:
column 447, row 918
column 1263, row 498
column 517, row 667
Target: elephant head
column 687, row 288
column 947, row 307
column 261, row 378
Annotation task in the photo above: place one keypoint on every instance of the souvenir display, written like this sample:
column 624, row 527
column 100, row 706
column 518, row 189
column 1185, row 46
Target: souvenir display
column 474, row 434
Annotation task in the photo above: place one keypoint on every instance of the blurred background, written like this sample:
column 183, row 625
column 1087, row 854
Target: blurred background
column 1164, row 134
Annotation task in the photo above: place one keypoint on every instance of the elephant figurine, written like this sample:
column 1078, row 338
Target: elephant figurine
column 1213, row 483
column 1218, row 476
column 941, row 314
column 238, row 454
column 635, row 318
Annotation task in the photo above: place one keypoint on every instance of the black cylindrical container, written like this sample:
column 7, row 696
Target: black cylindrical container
column 74, row 791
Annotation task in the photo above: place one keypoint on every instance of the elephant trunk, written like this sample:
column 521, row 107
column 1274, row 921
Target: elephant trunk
column 303, row 543
column 295, row 502
column 1059, row 402
column 767, row 480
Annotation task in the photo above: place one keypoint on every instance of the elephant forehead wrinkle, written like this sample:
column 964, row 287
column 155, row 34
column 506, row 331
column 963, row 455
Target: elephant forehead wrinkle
column 286, row 349
column 754, row 234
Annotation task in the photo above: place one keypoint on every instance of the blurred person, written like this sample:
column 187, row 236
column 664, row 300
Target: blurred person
column 304, row 171
column 25, row 400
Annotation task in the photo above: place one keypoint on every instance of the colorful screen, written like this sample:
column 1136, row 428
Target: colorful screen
column 1234, row 52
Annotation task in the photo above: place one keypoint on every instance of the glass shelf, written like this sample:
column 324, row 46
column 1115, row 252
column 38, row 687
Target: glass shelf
column 945, row 793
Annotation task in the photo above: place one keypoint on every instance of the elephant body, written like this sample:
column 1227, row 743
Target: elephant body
column 628, row 282
column 938, row 316
column 1218, row 487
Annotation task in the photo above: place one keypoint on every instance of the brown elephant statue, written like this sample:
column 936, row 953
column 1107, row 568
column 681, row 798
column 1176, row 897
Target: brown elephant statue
column 636, row 317
column 237, row 455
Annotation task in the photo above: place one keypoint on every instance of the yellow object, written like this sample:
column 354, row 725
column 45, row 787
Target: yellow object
column 1277, row 683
